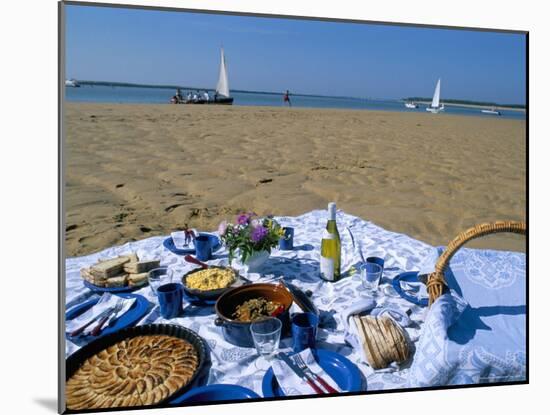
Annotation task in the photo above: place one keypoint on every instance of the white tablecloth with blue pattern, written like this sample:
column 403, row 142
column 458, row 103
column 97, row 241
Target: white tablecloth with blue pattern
column 236, row 365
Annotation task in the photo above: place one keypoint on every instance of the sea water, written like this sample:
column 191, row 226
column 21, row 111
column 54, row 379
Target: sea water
column 142, row 95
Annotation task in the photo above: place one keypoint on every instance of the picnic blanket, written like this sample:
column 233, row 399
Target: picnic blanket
column 474, row 334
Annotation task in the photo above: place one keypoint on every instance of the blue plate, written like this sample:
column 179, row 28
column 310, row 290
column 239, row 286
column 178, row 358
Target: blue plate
column 169, row 244
column 339, row 368
column 408, row 277
column 113, row 290
column 215, row 393
column 131, row 317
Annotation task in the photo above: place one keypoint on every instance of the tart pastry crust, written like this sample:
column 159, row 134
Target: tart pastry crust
column 142, row 370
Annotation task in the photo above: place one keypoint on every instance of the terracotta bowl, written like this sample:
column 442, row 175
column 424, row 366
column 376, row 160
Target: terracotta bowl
column 238, row 332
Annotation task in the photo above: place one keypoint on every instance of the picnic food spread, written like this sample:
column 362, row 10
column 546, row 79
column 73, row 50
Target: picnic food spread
column 390, row 345
column 125, row 270
column 255, row 309
column 143, row 370
column 210, row 279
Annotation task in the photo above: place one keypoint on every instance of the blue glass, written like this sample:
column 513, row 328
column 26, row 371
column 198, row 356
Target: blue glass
column 170, row 300
column 304, row 331
column 376, row 260
column 286, row 243
column 203, row 248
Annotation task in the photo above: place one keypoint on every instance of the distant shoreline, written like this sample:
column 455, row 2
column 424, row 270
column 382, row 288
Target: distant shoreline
column 473, row 104
column 480, row 106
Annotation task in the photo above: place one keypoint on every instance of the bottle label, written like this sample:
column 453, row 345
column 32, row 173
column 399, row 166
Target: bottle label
column 328, row 235
column 327, row 268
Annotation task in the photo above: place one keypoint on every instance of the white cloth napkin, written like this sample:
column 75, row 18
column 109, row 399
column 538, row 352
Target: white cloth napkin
column 427, row 265
column 180, row 242
column 292, row 384
column 106, row 301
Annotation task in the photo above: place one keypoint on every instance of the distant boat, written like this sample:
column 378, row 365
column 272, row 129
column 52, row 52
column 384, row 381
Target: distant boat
column 72, row 83
column 435, row 107
column 222, row 89
column 491, row 111
column 411, row 104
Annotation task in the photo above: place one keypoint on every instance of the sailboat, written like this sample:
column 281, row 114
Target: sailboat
column 411, row 104
column 435, row 107
column 491, row 111
column 222, row 89
column 221, row 95
column 72, row 83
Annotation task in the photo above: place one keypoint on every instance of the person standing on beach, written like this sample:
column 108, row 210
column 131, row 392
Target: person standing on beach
column 286, row 98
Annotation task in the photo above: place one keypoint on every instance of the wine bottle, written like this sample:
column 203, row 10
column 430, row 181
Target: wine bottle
column 330, row 248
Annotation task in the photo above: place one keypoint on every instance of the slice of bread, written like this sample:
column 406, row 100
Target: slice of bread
column 118, row 281
column 137, row 280
column 110, row 268
column 141, row 267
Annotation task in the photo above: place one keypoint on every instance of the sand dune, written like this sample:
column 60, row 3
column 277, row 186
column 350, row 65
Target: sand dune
column 134, row 171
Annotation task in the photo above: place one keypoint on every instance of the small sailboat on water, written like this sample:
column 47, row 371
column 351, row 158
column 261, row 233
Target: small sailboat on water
column 73, row 83
column 411, row 104
column 221, row 95
column 491, row 111
column 222, row 89
column 435, row 107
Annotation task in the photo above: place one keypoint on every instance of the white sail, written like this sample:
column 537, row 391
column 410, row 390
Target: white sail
column 223, row 84
column 435, row 100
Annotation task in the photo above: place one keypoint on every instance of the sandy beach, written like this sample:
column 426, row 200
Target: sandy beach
column 135, row 171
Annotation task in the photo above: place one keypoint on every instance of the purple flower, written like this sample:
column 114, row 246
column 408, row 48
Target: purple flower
column 258, row 233
column 243, row 218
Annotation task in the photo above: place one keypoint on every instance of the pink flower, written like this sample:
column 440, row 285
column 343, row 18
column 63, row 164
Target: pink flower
column 222, row 228
column 255, row 223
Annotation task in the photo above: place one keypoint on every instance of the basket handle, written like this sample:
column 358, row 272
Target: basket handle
column 436, row 280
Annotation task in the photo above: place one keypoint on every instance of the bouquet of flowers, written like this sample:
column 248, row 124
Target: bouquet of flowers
column 249, row 235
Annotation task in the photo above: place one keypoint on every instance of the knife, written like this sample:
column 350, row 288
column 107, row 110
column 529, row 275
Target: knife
column 301, row 374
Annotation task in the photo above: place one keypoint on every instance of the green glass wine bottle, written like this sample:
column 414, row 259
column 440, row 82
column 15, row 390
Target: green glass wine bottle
column 330, row 248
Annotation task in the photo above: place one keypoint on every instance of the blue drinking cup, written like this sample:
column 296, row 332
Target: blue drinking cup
column 376, row 260
column 170, row 299
column 304, row 331
column 203, row 248
column 286, row 243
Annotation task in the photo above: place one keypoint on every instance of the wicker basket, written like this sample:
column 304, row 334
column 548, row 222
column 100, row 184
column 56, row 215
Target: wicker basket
column 436, row 280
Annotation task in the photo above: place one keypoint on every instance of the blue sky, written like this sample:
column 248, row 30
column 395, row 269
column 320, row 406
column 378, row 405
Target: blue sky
column 312, row 57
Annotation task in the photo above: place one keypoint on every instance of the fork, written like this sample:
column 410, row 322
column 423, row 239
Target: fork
column 302, row 365
column 97, row 329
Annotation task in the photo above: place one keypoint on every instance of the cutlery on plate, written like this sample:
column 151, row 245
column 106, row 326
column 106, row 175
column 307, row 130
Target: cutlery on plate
column 302, row 365
column 84, row 326
column 114, row 310
column 301, row 374
column 115, row 314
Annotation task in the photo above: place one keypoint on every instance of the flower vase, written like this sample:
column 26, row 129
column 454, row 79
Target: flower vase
column 255, row 261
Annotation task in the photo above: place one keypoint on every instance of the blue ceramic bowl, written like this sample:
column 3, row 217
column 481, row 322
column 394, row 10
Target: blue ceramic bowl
column 216, row 393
